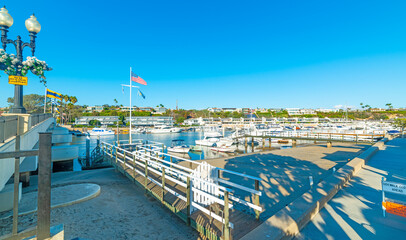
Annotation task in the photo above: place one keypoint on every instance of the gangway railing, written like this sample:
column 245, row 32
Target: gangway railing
column 148, row 160
column 318, row 136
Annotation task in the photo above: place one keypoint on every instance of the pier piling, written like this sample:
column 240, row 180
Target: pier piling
column 227, row 232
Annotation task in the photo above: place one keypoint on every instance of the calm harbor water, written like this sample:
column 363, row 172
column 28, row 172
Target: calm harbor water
column 166, row 139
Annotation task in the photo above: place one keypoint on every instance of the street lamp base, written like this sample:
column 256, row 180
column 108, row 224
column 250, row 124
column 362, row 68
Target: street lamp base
column 15, row 109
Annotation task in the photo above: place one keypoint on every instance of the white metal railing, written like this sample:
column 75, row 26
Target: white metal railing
column 146, row 159
column 322, row 136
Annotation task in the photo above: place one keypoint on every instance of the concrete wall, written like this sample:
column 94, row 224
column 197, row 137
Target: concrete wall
column 28, row 141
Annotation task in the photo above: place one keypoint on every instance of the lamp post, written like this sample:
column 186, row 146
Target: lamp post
column 33, row 28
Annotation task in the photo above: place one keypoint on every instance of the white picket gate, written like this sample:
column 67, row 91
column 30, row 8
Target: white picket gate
column 205, row 172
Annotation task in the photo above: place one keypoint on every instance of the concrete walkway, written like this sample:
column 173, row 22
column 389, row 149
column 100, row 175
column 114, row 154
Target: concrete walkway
column 121, row 211
column 61, row 196
column 356, row 211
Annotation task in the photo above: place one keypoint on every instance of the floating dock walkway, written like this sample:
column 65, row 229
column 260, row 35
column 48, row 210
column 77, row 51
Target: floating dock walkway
column 313, row 136
column 202, row 197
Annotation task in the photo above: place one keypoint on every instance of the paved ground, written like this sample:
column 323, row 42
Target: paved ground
column 60, row 196
column 356, row 211
column 121, row 211
column 285, row 173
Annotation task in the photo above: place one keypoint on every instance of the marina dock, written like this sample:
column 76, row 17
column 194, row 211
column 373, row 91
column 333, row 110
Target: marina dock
column 203, row 198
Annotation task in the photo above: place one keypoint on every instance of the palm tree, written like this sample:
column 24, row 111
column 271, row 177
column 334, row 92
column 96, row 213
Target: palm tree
column 368, row 107
column 389, row 105
column 73, row 100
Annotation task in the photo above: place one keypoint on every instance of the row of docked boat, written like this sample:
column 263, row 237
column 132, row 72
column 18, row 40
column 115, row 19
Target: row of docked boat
column 104, row 131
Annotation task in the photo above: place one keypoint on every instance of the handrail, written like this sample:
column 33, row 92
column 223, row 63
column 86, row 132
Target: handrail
column 195, row 204
column 194, row 162
column 176, row 170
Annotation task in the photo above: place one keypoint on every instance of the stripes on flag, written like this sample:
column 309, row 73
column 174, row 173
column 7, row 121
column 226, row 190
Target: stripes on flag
column 141, row 94
column 52, row 94
column 137, row 79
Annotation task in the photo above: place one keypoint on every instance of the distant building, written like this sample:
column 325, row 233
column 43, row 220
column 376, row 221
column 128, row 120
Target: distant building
column 229, row 110
column 150, row 121
column 94, row 109
column 298, row 111
column 307, row 112
column 261, row 110
column 377, row 109
column 159, row 110
column 104, row 120
column 127, row 109
column 325, row 110
column 293, row 111
column 246, row 110
column 215, row 110
column 145, row 109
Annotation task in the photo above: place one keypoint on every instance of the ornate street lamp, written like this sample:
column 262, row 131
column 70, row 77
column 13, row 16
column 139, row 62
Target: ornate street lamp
column 33, row 28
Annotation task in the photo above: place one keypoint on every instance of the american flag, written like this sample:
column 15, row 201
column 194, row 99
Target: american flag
column 137, row 79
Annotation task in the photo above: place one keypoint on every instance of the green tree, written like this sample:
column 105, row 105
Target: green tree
column 94, row 123
column 33, row 103
column 389, row 105
column 180, row 120
column 400, row 123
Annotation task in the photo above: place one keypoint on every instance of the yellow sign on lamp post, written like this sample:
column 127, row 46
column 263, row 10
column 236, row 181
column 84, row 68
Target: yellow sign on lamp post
column 17, row 80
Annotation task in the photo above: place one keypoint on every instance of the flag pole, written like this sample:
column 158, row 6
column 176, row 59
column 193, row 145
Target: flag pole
column 45, row 101
column 131, row 87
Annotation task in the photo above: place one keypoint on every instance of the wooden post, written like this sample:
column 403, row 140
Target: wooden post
column 252, row 144
column 270, row 144
column 116, row 156
column 118, row 135
column 146, row 175
column 227, row 232
column 124, row 162
column 87, row 151
column 263, row 144
column 188, row 201
column 293, row 142
column 134, row 166
column 256, row 199
column 44, row 185
column 163, row 185
column 16, row 183
column 111, row 157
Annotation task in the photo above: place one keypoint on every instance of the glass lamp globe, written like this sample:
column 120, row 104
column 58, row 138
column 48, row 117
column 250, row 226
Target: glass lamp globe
column 5, row 18
column 32, row 24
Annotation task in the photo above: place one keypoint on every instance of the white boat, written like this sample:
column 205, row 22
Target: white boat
column 166, row 129
column 138, row 130
column 207, row 141
column 100, row 132
column 223, row 149
column 178, row 146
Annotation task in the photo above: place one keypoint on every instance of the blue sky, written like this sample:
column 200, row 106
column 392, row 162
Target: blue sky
column 219, row 53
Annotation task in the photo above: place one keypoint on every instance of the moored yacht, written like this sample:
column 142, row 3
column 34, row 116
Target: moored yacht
column 166, row 129
column 101, row 132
